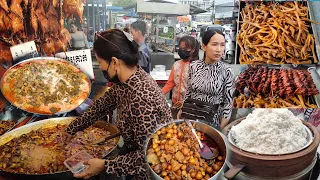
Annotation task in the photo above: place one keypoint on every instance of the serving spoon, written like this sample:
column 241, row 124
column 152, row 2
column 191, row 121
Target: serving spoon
column 104, row 139
column 205, row 151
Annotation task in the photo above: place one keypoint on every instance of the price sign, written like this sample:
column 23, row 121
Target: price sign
column 81, row 58
column 25, row 49
column 165, row 29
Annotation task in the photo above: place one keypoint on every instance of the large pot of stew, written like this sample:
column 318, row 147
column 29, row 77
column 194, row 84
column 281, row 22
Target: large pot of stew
column 38, row 150
column 173, row 152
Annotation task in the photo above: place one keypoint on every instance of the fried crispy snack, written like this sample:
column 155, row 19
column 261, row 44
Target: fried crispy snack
column 257, row 101
column 276, row 33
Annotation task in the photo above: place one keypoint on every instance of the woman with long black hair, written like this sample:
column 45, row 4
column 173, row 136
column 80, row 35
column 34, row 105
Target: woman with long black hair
column 188, row 52
column 211, row 80
column 141, row 107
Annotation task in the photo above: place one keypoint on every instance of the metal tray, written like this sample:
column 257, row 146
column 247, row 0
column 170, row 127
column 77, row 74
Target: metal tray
column 47, row 123
column 11, row 113
column 47, row 58
column 312, row 28
column 310, row 68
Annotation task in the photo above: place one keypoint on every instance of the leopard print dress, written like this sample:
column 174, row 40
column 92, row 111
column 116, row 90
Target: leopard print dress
column 141, row 109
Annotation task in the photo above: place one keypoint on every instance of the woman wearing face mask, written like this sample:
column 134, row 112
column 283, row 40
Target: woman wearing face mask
column 188, row 52
column 210, row 80
column 141, row 107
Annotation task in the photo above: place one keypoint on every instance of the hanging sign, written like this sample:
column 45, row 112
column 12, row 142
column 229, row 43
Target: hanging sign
column 165, row 29
column 81, row 58
column 22, row 50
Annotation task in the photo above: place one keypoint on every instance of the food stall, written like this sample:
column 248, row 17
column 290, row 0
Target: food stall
column 162, row 37
column 38, row 30
column 162, row 34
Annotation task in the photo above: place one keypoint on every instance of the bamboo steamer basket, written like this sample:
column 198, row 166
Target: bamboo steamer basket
column 270, row 166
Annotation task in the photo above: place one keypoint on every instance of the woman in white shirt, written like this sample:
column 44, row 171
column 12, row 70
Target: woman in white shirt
column 78, row 38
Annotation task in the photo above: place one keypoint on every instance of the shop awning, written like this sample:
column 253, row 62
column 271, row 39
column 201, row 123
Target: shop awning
column 196, row 10
column 116, row 9
column 162, row 8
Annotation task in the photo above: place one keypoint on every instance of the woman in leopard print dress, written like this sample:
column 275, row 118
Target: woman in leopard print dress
column 141, row 107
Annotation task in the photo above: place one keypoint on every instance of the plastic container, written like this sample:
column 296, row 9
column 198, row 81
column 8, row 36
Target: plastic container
column 160, row 68
column 75, row 162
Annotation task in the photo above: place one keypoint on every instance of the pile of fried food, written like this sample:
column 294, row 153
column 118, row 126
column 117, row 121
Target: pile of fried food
column 174, row 154
column 264, row 87
column 5, row 126
column 276, row 33
column 44, row 151
column 29, row 85
column 42, row 21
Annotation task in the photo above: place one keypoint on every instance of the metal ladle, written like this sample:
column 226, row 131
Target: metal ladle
column 205, row 151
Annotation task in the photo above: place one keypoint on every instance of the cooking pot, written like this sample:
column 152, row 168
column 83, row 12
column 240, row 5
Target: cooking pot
column 65, row 175
column 270, row 166
column 212, row 133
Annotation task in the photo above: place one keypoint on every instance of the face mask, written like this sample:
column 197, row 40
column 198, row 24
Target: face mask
column 184, row 54
column 114, row 79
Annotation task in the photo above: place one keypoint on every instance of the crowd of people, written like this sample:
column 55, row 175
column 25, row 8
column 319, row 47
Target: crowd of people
column 141, row 106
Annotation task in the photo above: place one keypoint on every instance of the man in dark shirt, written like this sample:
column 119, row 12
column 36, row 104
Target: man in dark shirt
column 138, row 31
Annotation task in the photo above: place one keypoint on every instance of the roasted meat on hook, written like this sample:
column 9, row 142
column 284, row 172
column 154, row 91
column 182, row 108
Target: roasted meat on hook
column 16, row 8
column 73, row 8
column 42, row 19
column 4, row 5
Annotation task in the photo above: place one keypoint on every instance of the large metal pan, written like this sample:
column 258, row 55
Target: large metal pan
column 42, row 58
column 65, row 175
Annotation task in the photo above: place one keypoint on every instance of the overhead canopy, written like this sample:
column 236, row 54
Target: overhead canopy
column 162, row 8
column 174, row 9
column 165, row 1
column 224, row 10
column 196, row 10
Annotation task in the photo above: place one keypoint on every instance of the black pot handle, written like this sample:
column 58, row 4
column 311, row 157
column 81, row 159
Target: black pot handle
column 231, row 173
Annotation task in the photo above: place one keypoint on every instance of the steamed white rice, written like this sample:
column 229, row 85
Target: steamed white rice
column 270, row 131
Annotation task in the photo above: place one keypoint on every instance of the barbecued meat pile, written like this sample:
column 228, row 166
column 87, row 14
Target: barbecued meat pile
column 45, row 150
column 273, row 82
column 292, row 87
column 39, row 20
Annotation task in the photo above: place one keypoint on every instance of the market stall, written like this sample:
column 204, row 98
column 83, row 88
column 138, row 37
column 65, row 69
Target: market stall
column 30, row 36
column 162, row 35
